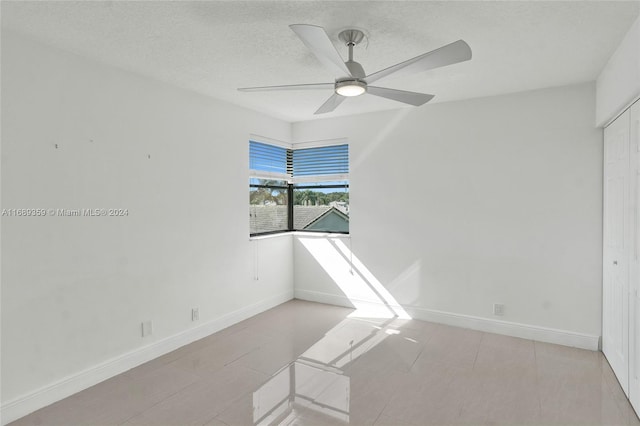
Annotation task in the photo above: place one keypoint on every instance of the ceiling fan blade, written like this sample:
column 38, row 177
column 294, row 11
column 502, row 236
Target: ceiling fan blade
column 331, row 104
column 288, row 87
column 412, row 98
column 317, row 40
column 458, row 51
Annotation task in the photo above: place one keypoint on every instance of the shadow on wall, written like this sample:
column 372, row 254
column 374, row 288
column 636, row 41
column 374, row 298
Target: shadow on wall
column 381, row 136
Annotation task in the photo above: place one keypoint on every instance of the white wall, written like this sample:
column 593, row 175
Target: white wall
column 75, row 289
column 456, row 206
column 618, row 84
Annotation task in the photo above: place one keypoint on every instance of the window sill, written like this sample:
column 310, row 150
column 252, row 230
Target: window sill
column 301, row 234
column 321, row 234
column 269, row 236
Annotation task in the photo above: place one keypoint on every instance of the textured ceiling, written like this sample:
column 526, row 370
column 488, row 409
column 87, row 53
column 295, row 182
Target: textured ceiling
column 215, row 47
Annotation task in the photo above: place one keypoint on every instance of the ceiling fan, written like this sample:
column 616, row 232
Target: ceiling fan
column 352, row 80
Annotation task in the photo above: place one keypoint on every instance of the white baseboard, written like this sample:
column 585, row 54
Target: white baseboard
column 327, row 298
column 524, row 331
column 21, row 406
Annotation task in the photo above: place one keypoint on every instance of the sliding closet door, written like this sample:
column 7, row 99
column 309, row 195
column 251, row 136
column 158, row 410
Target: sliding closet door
column 634, row 258
column 615, row 309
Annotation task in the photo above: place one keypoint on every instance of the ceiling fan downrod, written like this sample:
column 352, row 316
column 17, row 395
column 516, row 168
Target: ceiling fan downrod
column 352, row 38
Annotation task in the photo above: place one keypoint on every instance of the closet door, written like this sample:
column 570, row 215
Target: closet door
column 616, row 233
column 634, row 258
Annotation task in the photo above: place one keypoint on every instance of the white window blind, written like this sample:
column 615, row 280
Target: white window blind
column 321, row 164
column 269, row 161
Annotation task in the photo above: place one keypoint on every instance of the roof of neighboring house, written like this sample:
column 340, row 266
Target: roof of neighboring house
column 273, row 218
column 304, row 216
column 331, row 211
column 267, row 218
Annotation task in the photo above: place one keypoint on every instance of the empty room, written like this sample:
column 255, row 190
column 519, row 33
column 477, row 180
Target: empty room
column 178, row 180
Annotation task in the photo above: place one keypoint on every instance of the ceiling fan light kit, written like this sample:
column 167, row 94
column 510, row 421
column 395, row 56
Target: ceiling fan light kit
column 353, row 81
column 350, row 88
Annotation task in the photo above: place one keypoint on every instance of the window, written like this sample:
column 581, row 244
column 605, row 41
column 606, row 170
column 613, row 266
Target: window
column 269, row 191
column 321, row 188
column 298, row 189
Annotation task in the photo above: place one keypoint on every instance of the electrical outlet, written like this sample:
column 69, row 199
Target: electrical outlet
column 498, row 309
column 147, row 328
column 195, row 314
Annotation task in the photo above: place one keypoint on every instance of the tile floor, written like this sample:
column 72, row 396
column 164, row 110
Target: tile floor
column 305, row 363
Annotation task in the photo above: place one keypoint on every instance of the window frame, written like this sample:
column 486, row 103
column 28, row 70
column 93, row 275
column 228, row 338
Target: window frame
column 286, row 187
